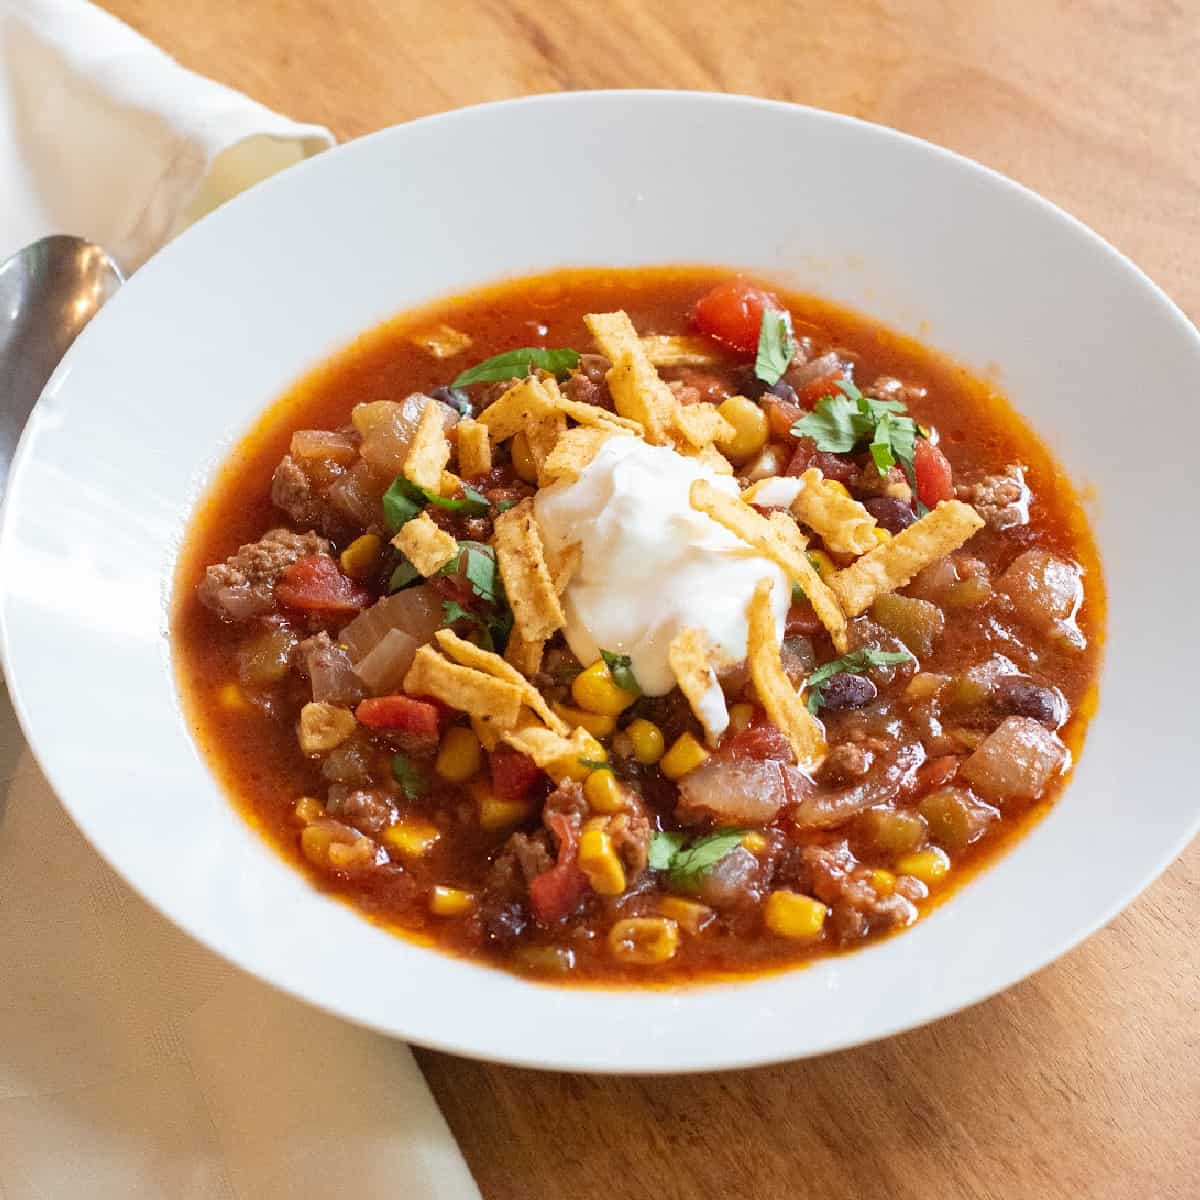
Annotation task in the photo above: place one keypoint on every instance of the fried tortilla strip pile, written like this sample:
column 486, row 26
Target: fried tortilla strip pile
column 558, row 755
column 427, row 546
column 521, row 557
column 637, row 391
column 690, row 657
column 429, row 450
column 779, row 540
column 830, row 511
column 592, row 414
column 542, row 436
column 892, row 564
column 782, row 702
column 494, row 703
column 467, row 654
column 574, row 450
column 701, row 425
column 680, row 350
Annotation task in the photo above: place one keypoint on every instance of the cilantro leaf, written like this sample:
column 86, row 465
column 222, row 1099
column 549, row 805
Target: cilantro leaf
column 620, row 667
column 667, row 853
column 410, row 778
column 478, row 563
column 881, row 445
column 835, row 424
column 400, row 505
column 402, row 576
column 505, row 505
column 853, row 663
column 453, row 611
column 703, row 855
column 663, row 848
column 473, row 503
column 514, row 364
column 775, row 346
column 593, row 764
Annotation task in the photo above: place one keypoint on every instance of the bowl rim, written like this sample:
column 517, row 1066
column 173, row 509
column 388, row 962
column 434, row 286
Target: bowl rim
column 45, row 754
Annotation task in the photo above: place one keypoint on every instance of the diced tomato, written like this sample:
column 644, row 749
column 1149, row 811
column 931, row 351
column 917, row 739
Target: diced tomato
column 556, row 893
column 400, row 712
column 314, row 584
column 763, row 740
column 781, row 416
column 936, row 772
column 732, row 313
column 816, row 389
column 802, row 621
column 513, row 773
column 935, row 478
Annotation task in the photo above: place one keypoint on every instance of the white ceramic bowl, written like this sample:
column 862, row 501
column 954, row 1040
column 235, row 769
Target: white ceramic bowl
column 213, row 329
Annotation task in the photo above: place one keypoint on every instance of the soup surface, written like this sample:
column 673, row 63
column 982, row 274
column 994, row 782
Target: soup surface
column 709, row 630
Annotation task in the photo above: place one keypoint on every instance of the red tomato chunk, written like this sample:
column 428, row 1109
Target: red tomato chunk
column 732, row 313
column 315, row 585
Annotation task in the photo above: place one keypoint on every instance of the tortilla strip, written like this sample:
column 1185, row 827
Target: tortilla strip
column 591, row 414
column 700, row 424
column 574, row 450
column 690, row 657
column 523, row 403
column 891, row 565
column 469, row 655
column 680, row 350
column 562, row 564
column 637, row 391
column 522, row 561
column 714, row 460
column 474, row 449
column 552, row 750
column 542, row 436
column 495, row 702
column 825, row 506
column 425, row 544
column 524, row 654
column 778, row 539
column 429, row 450
column 782, row 702
column 442, row 341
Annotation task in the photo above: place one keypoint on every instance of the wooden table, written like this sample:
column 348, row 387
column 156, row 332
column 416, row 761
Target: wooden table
column 1084, row 1081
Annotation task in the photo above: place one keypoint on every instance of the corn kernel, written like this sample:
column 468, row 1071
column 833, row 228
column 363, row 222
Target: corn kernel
column 604, row 794
column 684, row 756
column 884, row 882
column 792, row 915
column 412, row 838
column 750, row 429
column 450, row 902
column 459, row 757
column 647, row 741
column 595, row 690
column 308, row 809
column 573, row 766
column 690, row 915
column 361, row 556
column 599, row 862
column 597, row 724
column 929, row 866
column 231, row 698
column 645, row 941
column 839, row 486
column 494, row 813
column 925, row 685
column 740, row 716
column 882, row 536
column 522, row 458
column 824, row 565
column 755, row 842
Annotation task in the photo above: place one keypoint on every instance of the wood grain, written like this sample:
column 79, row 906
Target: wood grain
column 1084, row 1081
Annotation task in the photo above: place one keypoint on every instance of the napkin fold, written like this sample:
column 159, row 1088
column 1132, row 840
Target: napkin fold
column 133, row 1062
column 105, row 136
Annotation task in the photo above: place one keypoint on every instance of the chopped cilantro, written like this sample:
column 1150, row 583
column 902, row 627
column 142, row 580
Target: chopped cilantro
column 477, row 562
column 404, row 575
column 593, row 764
column 399, row 504
column 667, row 853
column 775, row 346
column 515, row 363
column 620, row 666
column 853, row 663
column 410, row 778
column 505, row 505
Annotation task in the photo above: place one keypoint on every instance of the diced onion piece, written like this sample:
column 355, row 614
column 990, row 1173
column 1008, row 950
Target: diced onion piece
column 415, row 611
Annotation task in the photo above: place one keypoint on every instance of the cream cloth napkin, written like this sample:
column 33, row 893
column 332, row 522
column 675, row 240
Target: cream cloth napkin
column 134, row 1063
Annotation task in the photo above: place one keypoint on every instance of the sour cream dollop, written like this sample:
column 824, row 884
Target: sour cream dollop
column 650, row 564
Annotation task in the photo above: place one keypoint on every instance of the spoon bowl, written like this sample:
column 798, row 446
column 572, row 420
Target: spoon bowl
column 48, row 292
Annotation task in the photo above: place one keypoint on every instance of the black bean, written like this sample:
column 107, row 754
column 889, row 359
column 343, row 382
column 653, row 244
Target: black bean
column 455, row 397
column 749, row 385
column 1016, row 696
column 892, row 513
column 594, row 367
column 847, row 691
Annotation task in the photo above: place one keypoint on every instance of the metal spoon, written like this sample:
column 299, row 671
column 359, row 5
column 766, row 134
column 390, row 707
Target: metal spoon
column 48, row 292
